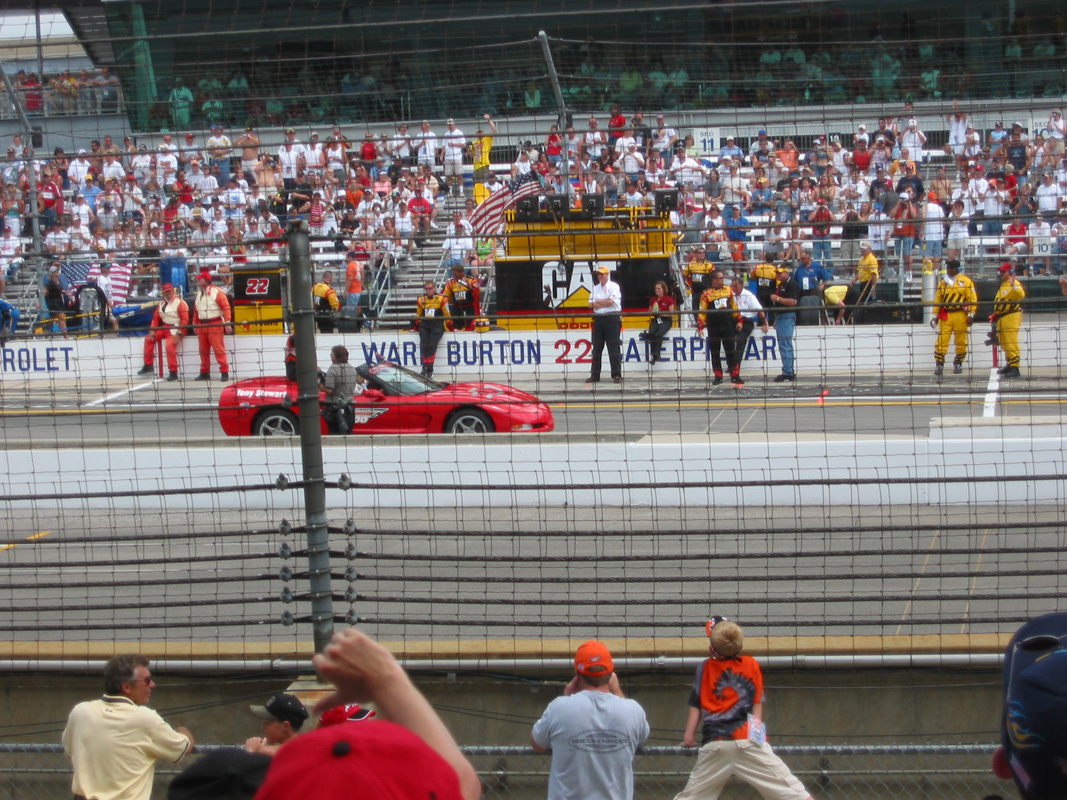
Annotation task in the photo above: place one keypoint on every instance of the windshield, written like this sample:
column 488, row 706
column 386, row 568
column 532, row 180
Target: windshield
column 397, row 381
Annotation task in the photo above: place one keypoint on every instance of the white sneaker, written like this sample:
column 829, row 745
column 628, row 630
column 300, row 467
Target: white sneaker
column 433, row 226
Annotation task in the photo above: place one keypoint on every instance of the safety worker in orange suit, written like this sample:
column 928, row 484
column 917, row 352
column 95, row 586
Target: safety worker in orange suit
column 1008, row 316
column 211, row 309
column 168, row 326
column 956, row 303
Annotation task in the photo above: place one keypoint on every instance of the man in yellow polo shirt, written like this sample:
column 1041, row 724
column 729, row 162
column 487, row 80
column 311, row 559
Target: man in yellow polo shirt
column 866, row 280
column 114, row 742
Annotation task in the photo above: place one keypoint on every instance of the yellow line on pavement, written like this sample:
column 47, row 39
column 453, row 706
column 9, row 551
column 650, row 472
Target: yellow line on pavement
column 38, row 535
column 56, row 412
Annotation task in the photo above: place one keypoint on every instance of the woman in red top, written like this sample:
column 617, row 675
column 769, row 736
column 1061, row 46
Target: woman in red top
column 368, row 151
column 554, row 145
column 661, row 306
column 50, row 196
column 34, row 95
column 171, row 217
column 1016, row 238
column 861, row 158
column 316, row 214
column 362, row 177
column 182, row 189
column 543, row 166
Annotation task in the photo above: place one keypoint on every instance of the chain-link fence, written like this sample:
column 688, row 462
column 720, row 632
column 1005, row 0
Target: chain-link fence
column 870, row 772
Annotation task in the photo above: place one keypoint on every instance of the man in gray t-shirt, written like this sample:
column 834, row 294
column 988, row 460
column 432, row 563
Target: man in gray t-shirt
column 339, row 386
column 592, row 731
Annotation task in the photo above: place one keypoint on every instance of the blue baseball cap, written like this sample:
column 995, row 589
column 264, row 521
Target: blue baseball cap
column 1033, row 736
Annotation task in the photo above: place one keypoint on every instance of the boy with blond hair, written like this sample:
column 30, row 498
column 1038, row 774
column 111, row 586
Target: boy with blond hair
column 726, row 702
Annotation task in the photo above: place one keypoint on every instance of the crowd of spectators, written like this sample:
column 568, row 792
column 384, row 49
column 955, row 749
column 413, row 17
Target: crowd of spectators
column 831, row 62
column 216, row 201
column 66, row 93
column 219, row 200
column 1002, row 188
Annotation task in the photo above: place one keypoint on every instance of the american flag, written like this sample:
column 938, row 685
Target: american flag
column 487, row 218
column 79, row 272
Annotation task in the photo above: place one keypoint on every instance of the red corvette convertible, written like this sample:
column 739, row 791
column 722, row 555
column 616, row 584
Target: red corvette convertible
column 394, row 400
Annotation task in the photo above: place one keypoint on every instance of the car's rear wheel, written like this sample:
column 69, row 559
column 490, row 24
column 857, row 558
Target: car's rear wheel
column 276, row 422
column 469, row 420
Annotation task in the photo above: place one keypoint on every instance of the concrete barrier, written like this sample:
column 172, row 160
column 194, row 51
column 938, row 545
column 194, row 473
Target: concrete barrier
column 826, row 349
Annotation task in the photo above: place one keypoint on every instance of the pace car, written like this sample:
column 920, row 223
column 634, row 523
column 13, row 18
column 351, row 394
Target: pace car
column 393, row 400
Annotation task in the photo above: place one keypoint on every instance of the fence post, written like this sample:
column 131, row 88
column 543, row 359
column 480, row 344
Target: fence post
column 318, row 538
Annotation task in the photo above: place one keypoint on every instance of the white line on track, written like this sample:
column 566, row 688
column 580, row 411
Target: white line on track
column 110, row 397
column 990, row 407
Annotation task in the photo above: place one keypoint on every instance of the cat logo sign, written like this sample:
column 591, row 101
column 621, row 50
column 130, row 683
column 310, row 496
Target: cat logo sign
column 568, row 284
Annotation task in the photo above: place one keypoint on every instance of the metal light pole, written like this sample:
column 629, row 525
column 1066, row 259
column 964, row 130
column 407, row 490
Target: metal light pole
column 318, row 538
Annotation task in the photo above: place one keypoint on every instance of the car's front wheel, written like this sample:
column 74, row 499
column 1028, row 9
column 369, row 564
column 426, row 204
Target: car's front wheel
column 469, row 420
column 276, row 422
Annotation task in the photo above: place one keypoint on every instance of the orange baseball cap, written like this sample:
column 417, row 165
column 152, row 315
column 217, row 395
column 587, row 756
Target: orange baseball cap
column 593, row 659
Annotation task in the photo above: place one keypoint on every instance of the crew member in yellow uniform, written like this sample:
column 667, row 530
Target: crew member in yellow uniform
column 1008, row 316
column 721, row 327
column 865, row 281
column 763, row 280
column 957, row 302
column 432, row 311
column 327, row 306
column 697, row 274
column 463, row 295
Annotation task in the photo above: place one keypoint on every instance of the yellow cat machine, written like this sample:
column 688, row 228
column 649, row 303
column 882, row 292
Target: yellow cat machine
column 544, row 279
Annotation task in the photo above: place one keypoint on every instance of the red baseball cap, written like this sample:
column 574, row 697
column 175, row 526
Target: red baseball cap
column 378, row 757
column 1005, row 268
column 167, row 287
column 205, row 275
column 352, row 712
column 593, row 659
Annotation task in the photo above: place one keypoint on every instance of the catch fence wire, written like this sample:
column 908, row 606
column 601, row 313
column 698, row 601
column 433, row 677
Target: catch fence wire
column 869, row 513
column 868, row 498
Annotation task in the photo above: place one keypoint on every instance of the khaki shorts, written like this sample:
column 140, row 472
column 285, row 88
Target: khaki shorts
column 756, row 765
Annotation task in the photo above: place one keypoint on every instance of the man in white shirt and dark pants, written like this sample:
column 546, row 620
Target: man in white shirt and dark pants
column 751, row 311
column 606, row 302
